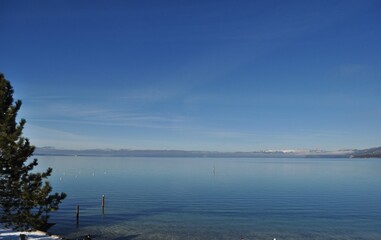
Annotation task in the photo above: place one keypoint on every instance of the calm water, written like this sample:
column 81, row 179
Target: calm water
column 204, row 198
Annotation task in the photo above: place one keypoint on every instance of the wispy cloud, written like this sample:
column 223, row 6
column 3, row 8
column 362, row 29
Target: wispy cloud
column 104, row 123
column 352, row 68
column 44, row 136
column 76, row 114
column 225, row 133
column 146, row 95
column 46, row 97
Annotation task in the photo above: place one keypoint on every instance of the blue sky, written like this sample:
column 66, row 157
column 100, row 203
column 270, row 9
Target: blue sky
column 195, row 75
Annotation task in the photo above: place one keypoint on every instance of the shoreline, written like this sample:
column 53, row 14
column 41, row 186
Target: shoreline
column 8, row 234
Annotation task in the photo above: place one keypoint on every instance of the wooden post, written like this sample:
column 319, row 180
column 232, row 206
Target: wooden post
column 77, row 213
column 103, row 201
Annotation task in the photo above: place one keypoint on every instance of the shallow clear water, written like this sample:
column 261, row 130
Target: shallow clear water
column 205, row 198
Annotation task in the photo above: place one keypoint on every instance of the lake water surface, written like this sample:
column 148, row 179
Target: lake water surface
column 222, row 198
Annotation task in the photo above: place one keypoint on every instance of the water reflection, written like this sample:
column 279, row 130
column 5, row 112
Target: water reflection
column 181, row 198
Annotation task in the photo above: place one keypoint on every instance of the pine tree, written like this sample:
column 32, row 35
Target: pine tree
column 25, row 197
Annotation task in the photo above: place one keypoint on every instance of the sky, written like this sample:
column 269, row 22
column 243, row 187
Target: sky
column 195, row 75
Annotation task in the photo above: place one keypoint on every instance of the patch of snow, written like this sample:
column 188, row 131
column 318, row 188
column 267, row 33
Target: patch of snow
column 7, row 234
column 281, row 151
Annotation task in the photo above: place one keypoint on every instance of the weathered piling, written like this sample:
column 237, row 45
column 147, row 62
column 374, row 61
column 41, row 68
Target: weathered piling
column 77, row 214
column 103, row 201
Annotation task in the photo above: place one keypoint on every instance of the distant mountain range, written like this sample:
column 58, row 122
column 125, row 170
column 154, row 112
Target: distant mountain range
column 346, row 153
column 368, row 153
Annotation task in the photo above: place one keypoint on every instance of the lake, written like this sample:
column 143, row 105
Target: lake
column 217, row 198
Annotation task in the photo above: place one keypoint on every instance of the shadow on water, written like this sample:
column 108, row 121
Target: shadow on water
column 147, row 213
column 127, row 237
column 93, row 223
